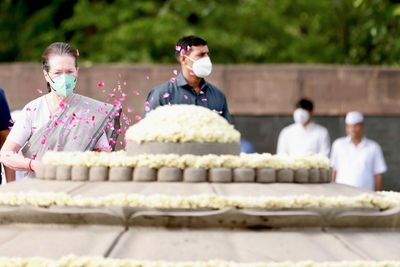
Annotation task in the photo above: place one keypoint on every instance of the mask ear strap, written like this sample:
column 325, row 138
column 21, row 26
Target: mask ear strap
column 48, row 74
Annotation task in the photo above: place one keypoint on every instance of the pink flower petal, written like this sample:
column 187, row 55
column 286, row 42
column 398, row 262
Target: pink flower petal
column 188, row 48
column 204, row 99
column 43, row 140
column 185, row 97
column 39, row 91
column 130, row 110
column 100, row 84
column 182, row 52
column 173, row 79
column 175, row 72
column 178, row 48
column 166, row 95
column 111, row 141
column 138, row 117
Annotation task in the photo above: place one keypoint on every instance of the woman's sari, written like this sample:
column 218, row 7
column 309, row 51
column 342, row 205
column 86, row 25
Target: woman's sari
column 77, row 126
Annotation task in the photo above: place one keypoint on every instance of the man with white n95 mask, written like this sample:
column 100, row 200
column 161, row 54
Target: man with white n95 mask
column 355, row 159
column 189, row 86
column 303, row 136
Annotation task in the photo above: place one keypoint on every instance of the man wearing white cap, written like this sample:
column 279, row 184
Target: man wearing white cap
column 356, row 160
column 303, row 136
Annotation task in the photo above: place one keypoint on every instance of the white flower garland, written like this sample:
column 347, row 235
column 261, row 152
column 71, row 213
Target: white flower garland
column 74, row 261
column 120, row 158
column 208, row 201
column 182, row 124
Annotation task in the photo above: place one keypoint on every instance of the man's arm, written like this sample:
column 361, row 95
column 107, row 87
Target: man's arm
column 334, row 173
column 378, row 182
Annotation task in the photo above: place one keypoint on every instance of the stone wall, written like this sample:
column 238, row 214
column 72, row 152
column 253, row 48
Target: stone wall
column 261, row 96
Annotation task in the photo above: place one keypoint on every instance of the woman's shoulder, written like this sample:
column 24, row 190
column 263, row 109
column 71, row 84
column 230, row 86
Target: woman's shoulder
column 35, row 104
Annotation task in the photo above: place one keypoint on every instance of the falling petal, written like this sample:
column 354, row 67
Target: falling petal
column 185, row 97
column 93, row 117
column 100, row 84
column 178, row 48
column 182, row 52
column 116, row 113
column 204, row 99
column 119, row 131
column 147, row 77
column 130, row 110
column 175, row 72
column 124, row 94
column 138, row 117
column 173, row 79
column 39, row 91
column 147, row 108
column 201, row 92
column 166, row 95
column 188, row 48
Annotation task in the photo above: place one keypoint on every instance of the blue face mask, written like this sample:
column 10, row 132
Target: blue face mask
column 63, row 84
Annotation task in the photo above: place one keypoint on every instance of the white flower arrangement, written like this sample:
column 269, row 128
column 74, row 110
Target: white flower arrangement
column 157, row 161
column 74, row 261
column 182, row 124
column 208, row 201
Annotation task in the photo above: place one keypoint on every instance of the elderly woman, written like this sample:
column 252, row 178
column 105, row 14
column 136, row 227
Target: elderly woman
column 59, row 120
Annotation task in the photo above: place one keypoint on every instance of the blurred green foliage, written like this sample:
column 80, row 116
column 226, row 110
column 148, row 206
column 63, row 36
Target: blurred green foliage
column 238, row 31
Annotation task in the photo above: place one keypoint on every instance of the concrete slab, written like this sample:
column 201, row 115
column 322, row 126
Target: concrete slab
column 285, row 189
column 376, row 244
column 148, row 188
column 54, row 241
column 31, row 184
column 232, row 244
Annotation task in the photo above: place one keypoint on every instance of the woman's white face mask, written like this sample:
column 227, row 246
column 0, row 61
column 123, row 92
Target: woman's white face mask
column 201, row 67
column 301, row 116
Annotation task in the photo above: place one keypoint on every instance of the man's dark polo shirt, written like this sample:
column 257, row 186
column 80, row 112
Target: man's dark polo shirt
column 180, row 92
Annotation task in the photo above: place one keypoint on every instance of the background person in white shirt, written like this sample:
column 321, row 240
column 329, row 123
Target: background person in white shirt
column 356, row 160
column 303, row 136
